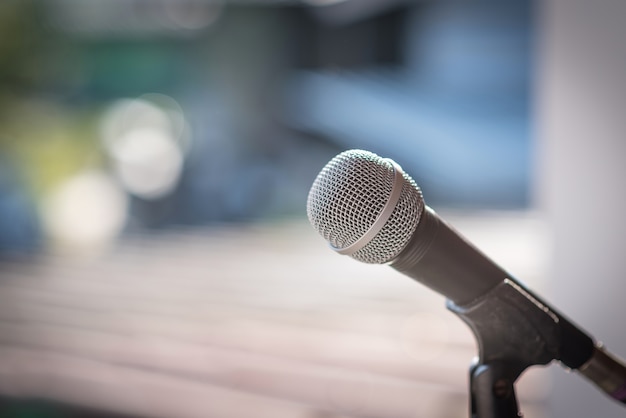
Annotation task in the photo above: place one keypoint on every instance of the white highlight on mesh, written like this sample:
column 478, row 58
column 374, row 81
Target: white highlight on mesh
column 383, row 216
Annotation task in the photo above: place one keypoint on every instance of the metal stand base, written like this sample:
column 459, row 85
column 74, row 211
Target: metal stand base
column 492, row 391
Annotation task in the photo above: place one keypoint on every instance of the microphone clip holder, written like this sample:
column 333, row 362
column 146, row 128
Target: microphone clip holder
column 512, row 335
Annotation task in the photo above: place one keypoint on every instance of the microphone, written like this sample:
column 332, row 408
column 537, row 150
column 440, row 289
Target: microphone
column 368, row 208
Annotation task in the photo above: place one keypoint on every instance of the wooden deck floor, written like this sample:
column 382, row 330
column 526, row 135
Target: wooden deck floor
column 246, row 321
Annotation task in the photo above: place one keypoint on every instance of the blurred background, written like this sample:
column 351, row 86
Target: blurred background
column 156, row 155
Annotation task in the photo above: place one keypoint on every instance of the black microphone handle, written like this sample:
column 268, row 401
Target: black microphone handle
column 442, row 259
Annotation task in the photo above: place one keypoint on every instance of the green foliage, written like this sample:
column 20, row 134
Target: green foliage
column 50, row 142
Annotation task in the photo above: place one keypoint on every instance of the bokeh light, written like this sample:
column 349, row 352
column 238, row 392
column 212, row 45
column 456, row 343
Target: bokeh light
column 86, row 213
column 146, row 145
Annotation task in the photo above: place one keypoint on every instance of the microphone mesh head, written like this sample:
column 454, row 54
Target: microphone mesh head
column 348, row 195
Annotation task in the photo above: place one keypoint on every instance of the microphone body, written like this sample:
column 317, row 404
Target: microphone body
column 367, row 207
column 442, row 259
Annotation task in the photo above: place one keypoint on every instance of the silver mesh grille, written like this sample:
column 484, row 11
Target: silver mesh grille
column 347, row 197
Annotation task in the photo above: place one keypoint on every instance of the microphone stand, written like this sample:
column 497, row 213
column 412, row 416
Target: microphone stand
column 492, row 390
column 512, row 335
